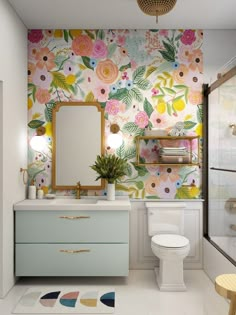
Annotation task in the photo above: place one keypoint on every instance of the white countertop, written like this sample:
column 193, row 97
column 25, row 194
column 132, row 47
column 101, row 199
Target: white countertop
column 72, row 204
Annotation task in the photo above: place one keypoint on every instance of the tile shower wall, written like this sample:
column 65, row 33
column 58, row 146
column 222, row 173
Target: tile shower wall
column 141, row 77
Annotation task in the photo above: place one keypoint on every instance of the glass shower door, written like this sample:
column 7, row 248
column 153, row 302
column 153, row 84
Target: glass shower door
column 222, row 166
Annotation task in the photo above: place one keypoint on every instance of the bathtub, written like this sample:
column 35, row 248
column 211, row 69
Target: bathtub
column 215, row 262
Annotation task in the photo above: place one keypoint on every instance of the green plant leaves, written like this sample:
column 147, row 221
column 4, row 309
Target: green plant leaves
column 110, row 167
column 188, row 124
column 48, row 111
column 86, row 61
column 169, row 53
column 148, row 107
column 59, row 80
column 138, row 74
column 34, row 124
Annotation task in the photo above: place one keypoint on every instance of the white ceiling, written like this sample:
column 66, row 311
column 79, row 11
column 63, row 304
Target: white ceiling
column 122, row 14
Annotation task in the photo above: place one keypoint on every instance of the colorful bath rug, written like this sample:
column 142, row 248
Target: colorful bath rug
column 66, row 301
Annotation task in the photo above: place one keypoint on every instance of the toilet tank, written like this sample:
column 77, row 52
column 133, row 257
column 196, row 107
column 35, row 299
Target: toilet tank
column 165, row 217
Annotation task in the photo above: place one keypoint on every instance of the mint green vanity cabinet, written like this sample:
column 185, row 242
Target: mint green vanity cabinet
column 71, row 243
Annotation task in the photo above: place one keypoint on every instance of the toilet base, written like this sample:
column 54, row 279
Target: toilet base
column 170, row 281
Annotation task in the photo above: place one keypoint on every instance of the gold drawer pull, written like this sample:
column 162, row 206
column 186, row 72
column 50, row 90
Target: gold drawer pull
column 74, row 217
column 71, row 251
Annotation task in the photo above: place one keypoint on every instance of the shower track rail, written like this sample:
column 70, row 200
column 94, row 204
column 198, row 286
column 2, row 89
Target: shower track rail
column 222, row 169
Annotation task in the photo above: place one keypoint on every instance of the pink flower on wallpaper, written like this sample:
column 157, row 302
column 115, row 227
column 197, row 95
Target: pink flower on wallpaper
column 101, row 92
column 151, row 184
column 31, row 71
column 195, row 97
column 180, row 74
column 169, row 173
column 166, row 190
column 35, row 36
column 82, row 45
column 42, row 96
column 141, row 119
column 99, row 49
column 112, row 107
column 184, row 53
column 157, row 120
column 68, row 67
column 196, row 60
column 45, row 58
column 121, row 40
column 150, row 156
column 42, row 78
column 188, row 37
column 107, row 71
column 155, row 92
column 145, row 153
column 194, row 80
column 163, row 32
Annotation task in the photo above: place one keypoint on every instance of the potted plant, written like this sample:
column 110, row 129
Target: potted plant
column 111, row 168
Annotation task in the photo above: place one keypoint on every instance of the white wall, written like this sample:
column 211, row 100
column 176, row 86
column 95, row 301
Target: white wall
column 219, row 46
column 13, row 132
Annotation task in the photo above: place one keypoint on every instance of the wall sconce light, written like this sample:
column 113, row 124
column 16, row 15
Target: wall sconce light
column 38, row 141
column 114, row 139
column 156, row 7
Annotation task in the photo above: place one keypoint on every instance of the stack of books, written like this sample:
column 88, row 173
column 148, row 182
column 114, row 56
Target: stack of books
column 174, row 155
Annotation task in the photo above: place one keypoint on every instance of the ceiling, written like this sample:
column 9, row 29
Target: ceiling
column 122, row 14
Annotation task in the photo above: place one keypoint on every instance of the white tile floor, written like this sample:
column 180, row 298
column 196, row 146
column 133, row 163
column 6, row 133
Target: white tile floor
column 138, row 294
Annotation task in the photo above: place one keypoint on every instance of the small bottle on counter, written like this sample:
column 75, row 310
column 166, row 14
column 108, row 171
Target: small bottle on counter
column 40, row 194
column 32, row 191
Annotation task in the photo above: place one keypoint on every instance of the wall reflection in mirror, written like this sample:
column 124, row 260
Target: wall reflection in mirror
column 78, row 137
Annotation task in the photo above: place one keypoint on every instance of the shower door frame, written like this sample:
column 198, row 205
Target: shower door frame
column 206, row 92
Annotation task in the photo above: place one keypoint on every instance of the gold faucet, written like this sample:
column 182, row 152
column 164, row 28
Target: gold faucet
column 78, row 187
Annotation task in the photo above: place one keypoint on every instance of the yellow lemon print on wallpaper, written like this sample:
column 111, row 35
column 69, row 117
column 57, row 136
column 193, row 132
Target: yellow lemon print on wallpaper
column 194, row 192
column 30, row 103
column 179, row 105
column 58, row 34
column 161, row 107
column 48, row 128
column 75, row 33
column 70, row 79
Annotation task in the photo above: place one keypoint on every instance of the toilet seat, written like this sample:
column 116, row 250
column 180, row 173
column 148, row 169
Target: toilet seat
column 170, row 241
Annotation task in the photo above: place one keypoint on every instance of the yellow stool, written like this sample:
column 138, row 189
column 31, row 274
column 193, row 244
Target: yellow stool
column 225, row 285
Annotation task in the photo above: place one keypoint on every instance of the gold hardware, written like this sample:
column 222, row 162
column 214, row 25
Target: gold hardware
column 71, row 251
column 78, row 187
column 71, row 217
column 25, row 174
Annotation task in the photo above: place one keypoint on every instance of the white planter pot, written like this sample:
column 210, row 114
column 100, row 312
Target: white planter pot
column 111, row 192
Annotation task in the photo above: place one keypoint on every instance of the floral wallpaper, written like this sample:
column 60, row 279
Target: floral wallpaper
column 143, row 79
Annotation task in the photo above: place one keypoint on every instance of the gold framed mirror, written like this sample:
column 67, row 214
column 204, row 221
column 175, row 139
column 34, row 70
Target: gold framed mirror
column 78, row 137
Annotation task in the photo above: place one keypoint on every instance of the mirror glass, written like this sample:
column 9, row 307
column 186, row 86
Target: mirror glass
column 78, row 137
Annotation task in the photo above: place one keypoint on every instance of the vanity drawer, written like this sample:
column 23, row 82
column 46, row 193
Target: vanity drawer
column 87, row 260
column 72, row 226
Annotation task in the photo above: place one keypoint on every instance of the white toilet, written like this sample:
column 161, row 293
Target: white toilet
column 166, row 226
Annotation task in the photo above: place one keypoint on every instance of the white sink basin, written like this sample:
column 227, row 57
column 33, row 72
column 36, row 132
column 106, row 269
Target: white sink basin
column 73, row 204
column 74, row 201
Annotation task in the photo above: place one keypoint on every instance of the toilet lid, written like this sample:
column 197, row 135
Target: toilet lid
column 170, row 240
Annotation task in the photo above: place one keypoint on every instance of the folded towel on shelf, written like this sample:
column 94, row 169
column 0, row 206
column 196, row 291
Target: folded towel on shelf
column 174, row 159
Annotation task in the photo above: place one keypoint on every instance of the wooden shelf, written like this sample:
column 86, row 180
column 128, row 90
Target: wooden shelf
column 169, row 138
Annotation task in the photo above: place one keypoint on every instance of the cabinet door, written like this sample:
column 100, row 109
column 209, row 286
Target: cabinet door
column 72, row 226
column 72, row 259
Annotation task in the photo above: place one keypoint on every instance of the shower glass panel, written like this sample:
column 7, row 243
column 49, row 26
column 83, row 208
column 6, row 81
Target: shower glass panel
column 222, row 166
